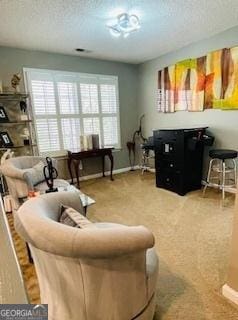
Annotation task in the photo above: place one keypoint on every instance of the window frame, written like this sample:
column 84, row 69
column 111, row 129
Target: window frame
column 85, row 78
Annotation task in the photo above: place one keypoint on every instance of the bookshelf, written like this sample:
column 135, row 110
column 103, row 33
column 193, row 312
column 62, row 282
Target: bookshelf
column 18, row 124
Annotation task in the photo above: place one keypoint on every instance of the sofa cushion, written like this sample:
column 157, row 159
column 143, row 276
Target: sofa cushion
column 73, row 218
column 34, row 175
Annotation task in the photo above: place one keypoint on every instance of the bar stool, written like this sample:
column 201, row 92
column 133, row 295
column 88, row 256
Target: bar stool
column 147, row 153
column 219, row 163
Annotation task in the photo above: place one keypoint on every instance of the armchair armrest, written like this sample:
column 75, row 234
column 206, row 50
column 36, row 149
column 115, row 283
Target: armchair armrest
column 66, row 241
column 63, row 240
column 112, row 242
column 12, row 172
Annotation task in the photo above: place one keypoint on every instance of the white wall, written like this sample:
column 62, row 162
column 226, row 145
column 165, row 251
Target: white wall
column 224, row 124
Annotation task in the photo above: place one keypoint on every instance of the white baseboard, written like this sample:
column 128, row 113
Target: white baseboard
column 230, row 294
column 107, row 173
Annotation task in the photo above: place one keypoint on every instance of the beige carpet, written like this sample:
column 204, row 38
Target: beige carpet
column 192, row 239
column 28, row 270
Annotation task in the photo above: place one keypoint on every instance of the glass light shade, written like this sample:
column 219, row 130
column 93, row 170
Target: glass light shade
column 125, row 25
column 134, row 21
column 114, row 32
column 124, row 22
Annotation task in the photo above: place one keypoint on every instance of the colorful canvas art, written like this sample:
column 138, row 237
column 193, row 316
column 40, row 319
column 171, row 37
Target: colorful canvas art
column 182, row 94
column 197, row 83
column 166, row 89
column 213, row 78
column 202, row 83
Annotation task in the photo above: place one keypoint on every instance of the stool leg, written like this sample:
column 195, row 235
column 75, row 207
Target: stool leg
column 208, row 176
column 235, row 171
column 143, row 161
column 223, row 179
column 145, row 164
column 2, row 183
column 147, row 159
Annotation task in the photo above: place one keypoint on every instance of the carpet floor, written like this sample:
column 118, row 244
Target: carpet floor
column 192, row 240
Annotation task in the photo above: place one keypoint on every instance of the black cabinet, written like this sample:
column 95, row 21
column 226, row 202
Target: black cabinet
column 179, row 158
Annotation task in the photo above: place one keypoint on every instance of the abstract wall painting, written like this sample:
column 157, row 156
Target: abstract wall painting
column 213, row 78
column 166, row 89
column 229, row 94
column 197, row 83
column 208, row 82
column 182, row 92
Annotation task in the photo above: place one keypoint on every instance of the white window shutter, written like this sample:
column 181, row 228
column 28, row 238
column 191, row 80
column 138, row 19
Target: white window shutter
column 110, row 131
column 68, row 104
column 71, row 133
column 91, row 125
column 68, row 98
column 43, row 97
column 89, row 98
column 108, row 98
column 48, row 135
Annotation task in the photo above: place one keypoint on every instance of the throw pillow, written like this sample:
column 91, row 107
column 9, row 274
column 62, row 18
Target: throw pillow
column 34, row 175
column 73, row 218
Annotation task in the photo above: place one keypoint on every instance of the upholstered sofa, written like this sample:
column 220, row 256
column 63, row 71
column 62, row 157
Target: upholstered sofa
column 19, row 182
column 108, row 272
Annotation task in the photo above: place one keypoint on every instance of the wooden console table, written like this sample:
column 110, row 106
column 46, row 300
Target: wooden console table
column 76, row 157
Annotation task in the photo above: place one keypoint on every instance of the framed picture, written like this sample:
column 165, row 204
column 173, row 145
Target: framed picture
column 5, row 139
column 3, row 115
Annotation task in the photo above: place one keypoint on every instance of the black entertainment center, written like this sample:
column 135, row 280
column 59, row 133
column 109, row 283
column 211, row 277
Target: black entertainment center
column 179, row 158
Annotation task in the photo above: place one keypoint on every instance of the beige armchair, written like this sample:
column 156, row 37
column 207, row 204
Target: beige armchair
column 18, row 182
column 107, row 272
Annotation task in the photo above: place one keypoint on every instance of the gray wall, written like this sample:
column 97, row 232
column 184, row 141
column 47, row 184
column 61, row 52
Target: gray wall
column 224, row 124
column 137, row 90
column 13, row 60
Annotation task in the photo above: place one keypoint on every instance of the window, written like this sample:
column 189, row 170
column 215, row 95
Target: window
column 68, row 104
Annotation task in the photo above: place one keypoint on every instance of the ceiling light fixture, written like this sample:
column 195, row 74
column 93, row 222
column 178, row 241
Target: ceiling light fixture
column 125, row 25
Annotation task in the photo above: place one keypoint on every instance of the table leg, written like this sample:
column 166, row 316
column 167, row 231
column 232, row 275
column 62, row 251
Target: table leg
column 29, row 253
column 103, row 166
column 76, row 168
column 112, row 163
column 70, row 169
column 85, row 210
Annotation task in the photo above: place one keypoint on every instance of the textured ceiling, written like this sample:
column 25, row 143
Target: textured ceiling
column 63, row 25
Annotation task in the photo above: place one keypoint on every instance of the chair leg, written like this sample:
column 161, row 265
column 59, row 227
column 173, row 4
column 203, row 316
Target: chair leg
column 2, row 183
column 143, row 163
column 29, row 253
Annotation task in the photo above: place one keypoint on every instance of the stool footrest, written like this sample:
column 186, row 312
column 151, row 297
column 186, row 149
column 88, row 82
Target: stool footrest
column 231, row 189
column 227, row 170
column 216, row 185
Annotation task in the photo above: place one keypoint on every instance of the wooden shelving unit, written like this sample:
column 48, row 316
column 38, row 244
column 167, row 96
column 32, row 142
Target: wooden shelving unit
column 15, row 122
column 18, row 147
